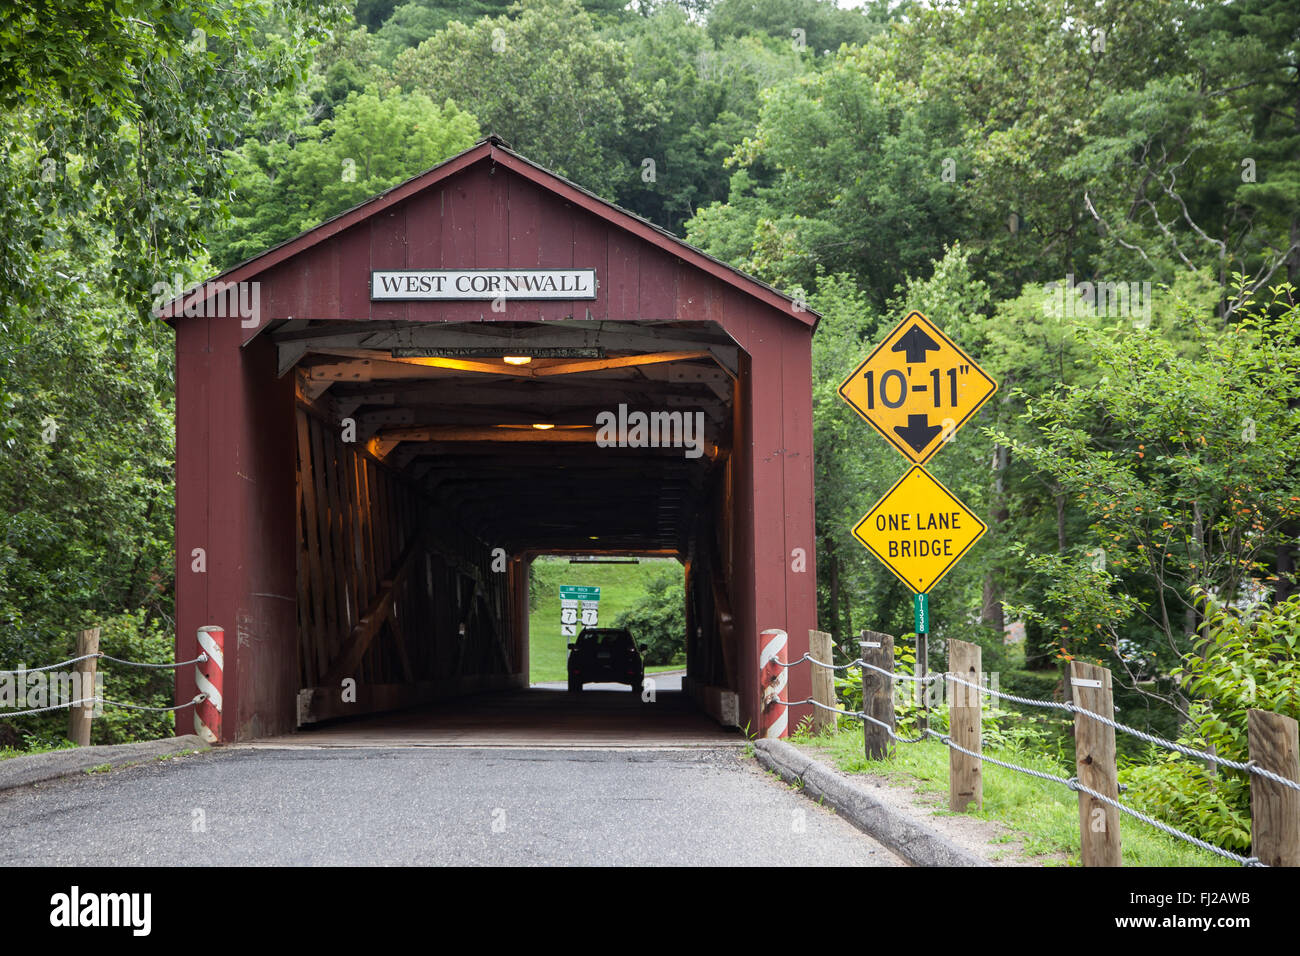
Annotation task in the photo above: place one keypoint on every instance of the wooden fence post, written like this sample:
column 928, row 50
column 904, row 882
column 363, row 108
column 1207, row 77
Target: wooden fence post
column 79, row 717
column 823, row 681
column 1094, row 755
column 877, row 693
column 965, row 781
column 1274, row 809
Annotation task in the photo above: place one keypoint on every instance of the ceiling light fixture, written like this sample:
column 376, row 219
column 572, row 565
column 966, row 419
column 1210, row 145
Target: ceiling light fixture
column 543, row 427
column 517, row 359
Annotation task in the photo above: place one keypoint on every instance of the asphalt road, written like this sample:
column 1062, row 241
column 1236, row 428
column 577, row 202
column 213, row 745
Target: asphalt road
column 429, row 806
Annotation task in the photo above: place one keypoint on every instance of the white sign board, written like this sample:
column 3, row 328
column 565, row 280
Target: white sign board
column 578, row 604
column 406, row 285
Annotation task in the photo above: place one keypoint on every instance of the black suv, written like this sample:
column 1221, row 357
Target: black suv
column 605, row 654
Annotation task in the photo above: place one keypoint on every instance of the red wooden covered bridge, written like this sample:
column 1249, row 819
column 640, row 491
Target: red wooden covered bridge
column 362, row 481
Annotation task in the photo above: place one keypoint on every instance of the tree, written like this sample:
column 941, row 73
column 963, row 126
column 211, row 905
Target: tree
column 1180, row 455
column 374, row 141
column 820, row 26
column 845, row 171
column 113, row 119
column 543, row 79
column 704, row 102
column 658, row 619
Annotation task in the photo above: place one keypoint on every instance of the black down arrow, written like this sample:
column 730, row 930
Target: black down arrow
column 919, row 432
column 915, row 343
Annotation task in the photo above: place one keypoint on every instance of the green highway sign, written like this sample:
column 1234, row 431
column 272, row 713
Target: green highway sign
column 578, row 603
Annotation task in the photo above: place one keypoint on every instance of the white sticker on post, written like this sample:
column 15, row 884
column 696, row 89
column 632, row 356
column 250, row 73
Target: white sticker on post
column 869, row 643
column 1084, row 682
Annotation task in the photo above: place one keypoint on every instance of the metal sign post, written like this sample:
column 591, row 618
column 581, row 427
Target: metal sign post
column 921, row 611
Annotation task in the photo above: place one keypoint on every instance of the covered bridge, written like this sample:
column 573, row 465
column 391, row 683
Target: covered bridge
column 381, row 422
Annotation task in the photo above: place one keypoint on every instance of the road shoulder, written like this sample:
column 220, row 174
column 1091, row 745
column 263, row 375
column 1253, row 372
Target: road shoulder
column 37, row 768
column 906, row 825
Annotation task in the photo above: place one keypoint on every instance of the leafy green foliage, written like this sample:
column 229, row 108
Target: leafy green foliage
column 823, row 25
column 112, row 117
column 1180, row 453
column 124, row 152
column 658, row 620
column 133, row 636
column 1244, row 659
column 373, row 141
column 545, row 81
column 843, row 172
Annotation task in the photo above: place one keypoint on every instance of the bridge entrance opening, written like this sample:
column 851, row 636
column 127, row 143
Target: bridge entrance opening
column 641, row 593
column 428, row 484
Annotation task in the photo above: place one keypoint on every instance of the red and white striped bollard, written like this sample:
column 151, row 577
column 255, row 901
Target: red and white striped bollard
column 773, row 677
column 207, row 675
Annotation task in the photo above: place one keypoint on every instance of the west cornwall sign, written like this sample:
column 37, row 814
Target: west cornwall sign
column 422, row 284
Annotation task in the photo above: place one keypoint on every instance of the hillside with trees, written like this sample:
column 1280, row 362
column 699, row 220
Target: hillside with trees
column 1137, row 468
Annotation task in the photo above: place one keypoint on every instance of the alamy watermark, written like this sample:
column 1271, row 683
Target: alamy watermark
column 624, row 429
column 937, row 693
column 129, row 910
column 24, row 690
column 1069, row 300
column 218, row 300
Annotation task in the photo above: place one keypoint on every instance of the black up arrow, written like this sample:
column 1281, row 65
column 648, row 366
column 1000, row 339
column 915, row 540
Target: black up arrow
column 915, row 343
column 919, row 432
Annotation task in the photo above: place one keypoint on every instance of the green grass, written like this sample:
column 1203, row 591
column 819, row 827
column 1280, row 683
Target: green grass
column 177, row 753
column 621, row 585
column 1044, row 814
column 36, row 747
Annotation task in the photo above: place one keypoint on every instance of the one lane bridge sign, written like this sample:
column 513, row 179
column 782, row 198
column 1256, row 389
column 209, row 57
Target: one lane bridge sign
column 917, row 388
column 919, row 529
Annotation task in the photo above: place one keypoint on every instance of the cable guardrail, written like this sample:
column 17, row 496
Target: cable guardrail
column 859, row 662
column 1072, row 783
column 92, row 701
column 101, row 656
column 862, row 715
column 88, row 702
column 1249, row 766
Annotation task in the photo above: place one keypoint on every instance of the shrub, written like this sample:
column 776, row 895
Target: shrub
column 658, row 619
column 1244, row 660
column 132, row 636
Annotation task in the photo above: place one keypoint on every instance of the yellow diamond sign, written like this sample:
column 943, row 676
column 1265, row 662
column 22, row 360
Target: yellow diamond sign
column 919, row 529
column 917, row 388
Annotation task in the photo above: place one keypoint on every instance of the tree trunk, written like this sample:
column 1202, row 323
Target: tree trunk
column 1290, row 532
column 833, row 562
column 1058, row 494
column 991, row 610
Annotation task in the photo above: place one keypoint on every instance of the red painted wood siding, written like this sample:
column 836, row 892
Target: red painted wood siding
column 485, row 218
